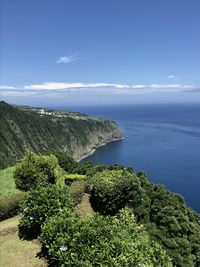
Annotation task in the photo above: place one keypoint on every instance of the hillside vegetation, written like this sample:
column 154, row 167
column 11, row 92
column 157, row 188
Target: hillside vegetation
column 124, row 219
column 42, row 130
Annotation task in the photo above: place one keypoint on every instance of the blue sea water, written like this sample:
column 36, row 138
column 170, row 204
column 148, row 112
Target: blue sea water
column 162, row 140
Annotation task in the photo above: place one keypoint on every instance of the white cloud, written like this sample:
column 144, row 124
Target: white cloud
column 138, row 86
column 81, row 91
column 87, row 86
column 6, row 87
column 57, row 86
column 171, row 77
column 67, row 59
column 172, row 86
column 62, row 86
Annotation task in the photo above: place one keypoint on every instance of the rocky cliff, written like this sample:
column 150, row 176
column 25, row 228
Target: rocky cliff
column 43, row 130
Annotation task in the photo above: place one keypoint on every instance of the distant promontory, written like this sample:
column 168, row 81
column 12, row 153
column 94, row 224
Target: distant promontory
column 44, row 130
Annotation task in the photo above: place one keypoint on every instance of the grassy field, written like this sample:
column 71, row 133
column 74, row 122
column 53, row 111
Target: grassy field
column 7, row 183
column 15, row 252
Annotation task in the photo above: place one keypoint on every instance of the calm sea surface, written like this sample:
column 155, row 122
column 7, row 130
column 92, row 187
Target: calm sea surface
column 162, row 140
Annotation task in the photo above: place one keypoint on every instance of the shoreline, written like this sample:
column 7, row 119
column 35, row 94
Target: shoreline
column 101, row 145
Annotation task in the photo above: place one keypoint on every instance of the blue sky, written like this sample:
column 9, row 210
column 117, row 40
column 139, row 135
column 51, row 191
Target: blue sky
column 74, row 51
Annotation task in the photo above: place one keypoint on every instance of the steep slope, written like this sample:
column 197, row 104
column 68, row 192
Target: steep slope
column 41, row 130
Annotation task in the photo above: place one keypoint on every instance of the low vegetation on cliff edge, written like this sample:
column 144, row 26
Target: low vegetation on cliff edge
column 134, row 215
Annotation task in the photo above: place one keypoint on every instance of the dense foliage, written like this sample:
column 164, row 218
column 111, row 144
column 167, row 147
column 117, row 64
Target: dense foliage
column 111, row 190
column 171, row 223
column 34, row 170
column 71, row 166
column 10, row 206
column 100, row 241
column 66, row 162
column 41, row 204
column 165, row 214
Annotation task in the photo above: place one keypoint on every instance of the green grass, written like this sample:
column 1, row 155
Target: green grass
column 7, row 183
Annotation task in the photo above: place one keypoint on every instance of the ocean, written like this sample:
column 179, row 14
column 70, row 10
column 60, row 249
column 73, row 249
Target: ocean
column 162, row 140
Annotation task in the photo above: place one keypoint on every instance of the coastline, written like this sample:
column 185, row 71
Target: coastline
column 101, row 145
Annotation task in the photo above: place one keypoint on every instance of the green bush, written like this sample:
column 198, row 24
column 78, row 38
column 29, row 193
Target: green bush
column 100, row 241
column 77, row 190
column 84, row 168
column 170, row 223
column 112, row 190
column 69, row 178
column 39, row 205
column 97, row 168
column 66, row 162
column 34, row 170
column 10, row 206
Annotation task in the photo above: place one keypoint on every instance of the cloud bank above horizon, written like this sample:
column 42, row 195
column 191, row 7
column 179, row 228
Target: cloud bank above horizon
column 60, row 93
column 79, row 85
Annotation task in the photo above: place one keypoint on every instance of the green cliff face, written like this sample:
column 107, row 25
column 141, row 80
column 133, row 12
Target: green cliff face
column 41, row 130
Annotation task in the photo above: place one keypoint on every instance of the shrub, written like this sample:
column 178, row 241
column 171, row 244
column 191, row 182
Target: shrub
column 100, row 241
column 97, row 168
column 10, row 206
column 34, row 170
column 69, row 178
column 171, row 224
column 76, row 191
column 66, row 162
column 84, row 168
column 113, row 190
column 39, row 205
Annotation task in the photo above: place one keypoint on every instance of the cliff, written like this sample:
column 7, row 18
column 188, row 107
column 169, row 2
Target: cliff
column 43, row 130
